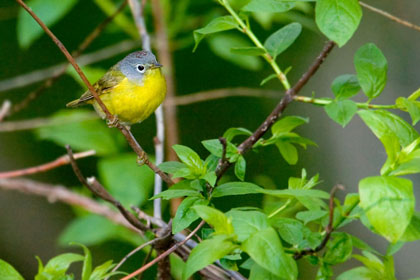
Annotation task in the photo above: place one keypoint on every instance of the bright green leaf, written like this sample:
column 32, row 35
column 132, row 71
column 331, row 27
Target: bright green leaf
column 341, row 111
column 240, row 168
column 359, row 273
column 412, row 232
column 7, row 272
column 190, row 158
column 259, row 273
column 290, row 230
column 235, row 131
column 412, row 106
column 206, row 252
column 216, row 25
column 268, row 6
column 217, row 219
column 266, row 250
column 185, row 215
column 171, row 167
column 338, row 249
column 345, row 86
column 57, row 266
column 288, row 152
column 280, row 40
column 49, row 11
column 268, row 78
column 246, row 223
column 311, row 215
column 171, row 193
column 371, row 67
column 287, row 124
column 388, row 203
column 338, row 19
column 236, row 188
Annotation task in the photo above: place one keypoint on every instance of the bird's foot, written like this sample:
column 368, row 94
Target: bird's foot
column 142, row 159
column 113, row 122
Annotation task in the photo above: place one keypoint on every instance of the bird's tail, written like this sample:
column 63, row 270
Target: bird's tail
column 74, row 103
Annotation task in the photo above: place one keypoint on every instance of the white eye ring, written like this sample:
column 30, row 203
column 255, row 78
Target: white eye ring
column 141, row 68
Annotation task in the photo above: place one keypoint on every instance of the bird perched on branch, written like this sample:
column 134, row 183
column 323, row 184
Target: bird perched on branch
column 131, row 90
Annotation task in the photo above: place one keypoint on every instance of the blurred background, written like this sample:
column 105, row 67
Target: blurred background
column 30, row 226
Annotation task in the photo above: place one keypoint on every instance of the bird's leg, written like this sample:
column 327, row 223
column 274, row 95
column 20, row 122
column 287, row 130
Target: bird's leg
column 113, row 122
column 142, row 159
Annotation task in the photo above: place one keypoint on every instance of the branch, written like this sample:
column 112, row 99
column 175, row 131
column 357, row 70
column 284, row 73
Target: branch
column 63, row 160
column 96, row 188
column 137, row 12
column 82, row 47
column 328, row 230
column 5, row 109
column 391, row 17
column 165, row 254
column 127, row 134
column 278, row 110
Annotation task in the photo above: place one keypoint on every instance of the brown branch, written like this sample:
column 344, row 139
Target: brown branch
column 82, row 47
column 96, row 188
column 284, row 102
column 391, row 17
column 127, row 134
column 165, row 254
column 63, row 160
column 328, row 230
column 220, row 93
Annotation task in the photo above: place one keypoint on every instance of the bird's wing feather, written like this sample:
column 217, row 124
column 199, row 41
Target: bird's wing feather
column 108, row 81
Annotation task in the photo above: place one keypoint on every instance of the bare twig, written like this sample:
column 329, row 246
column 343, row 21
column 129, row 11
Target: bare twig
column 328, row 230
column 82, row 47
column 165, row 254
column 63, row 160
column 127, row 134
column 284, row 102
column 391, row 17
column 5, row 109
column 137, row 12
column 96, row 188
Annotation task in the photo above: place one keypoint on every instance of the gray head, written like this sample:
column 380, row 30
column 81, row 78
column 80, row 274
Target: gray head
column 135, row 65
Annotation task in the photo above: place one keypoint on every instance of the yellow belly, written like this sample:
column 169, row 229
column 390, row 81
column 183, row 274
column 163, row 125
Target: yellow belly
column 133, row 103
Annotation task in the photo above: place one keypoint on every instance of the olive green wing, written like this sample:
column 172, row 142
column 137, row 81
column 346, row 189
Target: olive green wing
column 108, row 81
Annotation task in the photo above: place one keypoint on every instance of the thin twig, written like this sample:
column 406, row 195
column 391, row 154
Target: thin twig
column 391, row 17
column 82, row 47
column 137, row 12
column 127, row 134
column 328, row 230
column 165, row 254
column 223, row 158
column 63, row 160
column 96, row 188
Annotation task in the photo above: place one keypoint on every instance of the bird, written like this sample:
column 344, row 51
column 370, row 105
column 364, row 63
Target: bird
column 131, row 90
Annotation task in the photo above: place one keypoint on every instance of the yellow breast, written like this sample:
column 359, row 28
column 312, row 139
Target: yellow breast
column 133, row 103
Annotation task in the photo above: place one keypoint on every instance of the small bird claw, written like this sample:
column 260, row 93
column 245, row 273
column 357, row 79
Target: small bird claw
column 113, row 122
column 141, row 160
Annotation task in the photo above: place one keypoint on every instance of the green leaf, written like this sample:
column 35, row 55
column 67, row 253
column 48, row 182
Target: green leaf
column 7, row 272
column 268, row 78
column 206, row 253
column 171, row 167
column 236, row 188
column 84, row 230
column 185, row 215
column 49, row 11
column 81, row 132
column 409, row 167
column 171, row 193
column 338, row 249
column 341, row 111
column 359, row 273
column 217, row 219
column 246, row 223
column 190, row 158
column 280, row 40
column 290, row 230
column 288, row 152
column 297, row 193
column 235, row 131
column 268, row 6
column 252, row 51
column 287, row 124
column 216, row 148
column 394, row 248
column 388, row 203
column 128, row 182
column 93, row 74
column 371, row 67
column 338, row 19
column 221, row 44
column 362, row 245
column 240, row 168
column 57, row 266
column 102, row 271
column 311, row 215
column 216, row 25
column 87, row 262
column 345, row 86
column 412, row 232
column 412, row 106
column 265, row 248
column 259, row 273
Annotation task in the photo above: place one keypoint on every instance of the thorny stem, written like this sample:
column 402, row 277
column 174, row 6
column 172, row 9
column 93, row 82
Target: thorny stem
column 245, row 29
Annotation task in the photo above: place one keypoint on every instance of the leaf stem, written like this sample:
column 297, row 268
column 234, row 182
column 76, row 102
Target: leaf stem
column 326, row 101
column 280, row 208
column 245, row 29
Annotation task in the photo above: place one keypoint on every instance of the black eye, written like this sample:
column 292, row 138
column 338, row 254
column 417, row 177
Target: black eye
column 140, row 68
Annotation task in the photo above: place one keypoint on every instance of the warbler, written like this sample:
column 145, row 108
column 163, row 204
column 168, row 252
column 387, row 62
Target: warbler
column 131, row 90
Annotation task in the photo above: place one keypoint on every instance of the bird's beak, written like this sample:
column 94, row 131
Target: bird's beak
column 156, row 65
